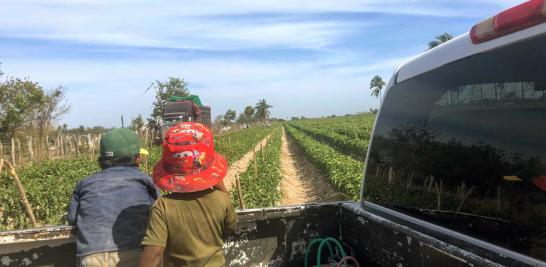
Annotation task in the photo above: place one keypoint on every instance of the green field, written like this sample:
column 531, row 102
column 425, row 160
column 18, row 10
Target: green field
column 335, row 146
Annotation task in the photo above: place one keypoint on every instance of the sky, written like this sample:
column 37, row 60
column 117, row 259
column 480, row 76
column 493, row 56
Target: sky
column 306, row 58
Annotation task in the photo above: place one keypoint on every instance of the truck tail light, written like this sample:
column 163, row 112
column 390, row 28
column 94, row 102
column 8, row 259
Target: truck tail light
column 522, row 16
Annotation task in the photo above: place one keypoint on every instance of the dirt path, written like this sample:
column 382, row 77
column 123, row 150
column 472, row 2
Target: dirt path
column 241, row 165
column 302, row 182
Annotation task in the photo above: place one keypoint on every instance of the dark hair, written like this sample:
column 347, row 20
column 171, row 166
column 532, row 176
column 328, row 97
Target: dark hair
column 116, row 162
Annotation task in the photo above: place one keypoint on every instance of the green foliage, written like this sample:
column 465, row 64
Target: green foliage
column 262, row 110
column 49, row 187
column 358, row 127
column 164, row 91
column 440, row 39
column 356, row 148
column 230, row 115
column 25, row 103
column 344, row 172
column 19, row 100
column 376, row 85
column 260, row 182
column 235, row 145
column 249, row 112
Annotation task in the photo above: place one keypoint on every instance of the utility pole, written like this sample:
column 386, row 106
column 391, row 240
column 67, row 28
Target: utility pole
column 122, row 125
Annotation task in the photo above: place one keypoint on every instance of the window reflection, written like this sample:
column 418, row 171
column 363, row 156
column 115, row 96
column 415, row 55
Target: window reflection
column 464, row 147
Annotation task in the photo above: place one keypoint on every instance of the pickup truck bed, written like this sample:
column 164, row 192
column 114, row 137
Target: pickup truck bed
column 278, row 237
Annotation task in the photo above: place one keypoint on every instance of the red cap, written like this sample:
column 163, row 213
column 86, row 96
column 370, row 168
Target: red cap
column 189, row 162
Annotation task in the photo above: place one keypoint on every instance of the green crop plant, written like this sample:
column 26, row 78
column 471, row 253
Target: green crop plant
column 48, row 186
column 260, row 182
column 344, row 172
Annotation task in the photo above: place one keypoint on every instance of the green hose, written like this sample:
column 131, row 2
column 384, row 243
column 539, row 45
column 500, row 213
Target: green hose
column 308, row 250
column 323, row 241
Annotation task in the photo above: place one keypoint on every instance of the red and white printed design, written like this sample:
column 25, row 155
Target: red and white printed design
column 189, row 162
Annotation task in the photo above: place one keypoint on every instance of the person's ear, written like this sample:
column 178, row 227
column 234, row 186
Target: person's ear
column 138, row 160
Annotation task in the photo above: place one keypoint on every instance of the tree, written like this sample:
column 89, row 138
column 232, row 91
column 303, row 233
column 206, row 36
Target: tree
column 262, row 110
column 137, row 124
column 376, row 84
column 219, row 121
column 230, row 115
column 440, row 39
column 19, row 98
column 242, row 118
column 249, row 111
column 51, row 110
column 164, row 90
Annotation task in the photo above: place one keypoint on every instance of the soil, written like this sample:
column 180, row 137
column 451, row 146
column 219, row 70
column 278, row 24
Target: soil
column 240, row 166
column 302, row 182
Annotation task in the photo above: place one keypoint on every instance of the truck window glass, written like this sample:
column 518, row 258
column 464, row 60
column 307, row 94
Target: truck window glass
column 463, row 146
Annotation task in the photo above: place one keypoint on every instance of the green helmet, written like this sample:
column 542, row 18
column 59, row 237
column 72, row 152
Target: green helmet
column 119, row 143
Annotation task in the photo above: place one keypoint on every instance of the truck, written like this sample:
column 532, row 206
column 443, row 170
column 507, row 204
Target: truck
column 184, row 108
column 454, row 176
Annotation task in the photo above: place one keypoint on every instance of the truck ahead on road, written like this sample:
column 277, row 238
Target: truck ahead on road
column 455, row 173
column 183, row 109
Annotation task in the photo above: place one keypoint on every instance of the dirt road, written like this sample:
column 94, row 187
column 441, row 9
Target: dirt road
column 302, row 182
column 241, row 165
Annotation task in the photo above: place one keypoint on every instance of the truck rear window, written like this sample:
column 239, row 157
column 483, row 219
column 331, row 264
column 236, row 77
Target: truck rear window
column 464, row 146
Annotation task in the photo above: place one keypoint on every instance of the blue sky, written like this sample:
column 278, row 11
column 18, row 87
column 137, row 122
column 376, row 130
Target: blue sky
column 307, row 58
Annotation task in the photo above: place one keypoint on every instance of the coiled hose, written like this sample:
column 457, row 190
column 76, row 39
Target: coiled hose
column 326, row 241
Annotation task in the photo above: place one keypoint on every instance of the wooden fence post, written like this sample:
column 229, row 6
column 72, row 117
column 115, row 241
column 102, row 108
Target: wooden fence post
column 69, row 145
column 36, row 145
column 22, row 194
column 240, row 192
column 30, row 150
column 47, row 147
column 77, row 141
column 255, row 168
column 61, row 145
column 13, row 151
column 89, row 146
column 19, row 154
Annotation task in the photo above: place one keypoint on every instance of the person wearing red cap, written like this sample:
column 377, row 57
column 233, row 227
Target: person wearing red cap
column 185, row 227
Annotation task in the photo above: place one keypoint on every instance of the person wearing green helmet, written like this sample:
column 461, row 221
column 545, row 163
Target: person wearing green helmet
column 110, row 208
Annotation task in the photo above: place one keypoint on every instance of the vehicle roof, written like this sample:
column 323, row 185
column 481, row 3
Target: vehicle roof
column 458, row 48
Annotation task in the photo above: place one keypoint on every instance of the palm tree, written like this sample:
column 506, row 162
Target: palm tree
column 249, row 111
column 440, row 39
column 262, row 110
column 376, row 84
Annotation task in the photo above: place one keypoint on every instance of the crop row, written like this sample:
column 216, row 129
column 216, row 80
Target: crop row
column 235, row 145
column 260, row 182
column 353, row 147
column 354, row 126
column 344, row 172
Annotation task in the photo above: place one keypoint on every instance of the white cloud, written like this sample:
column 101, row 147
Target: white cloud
column 195, row 24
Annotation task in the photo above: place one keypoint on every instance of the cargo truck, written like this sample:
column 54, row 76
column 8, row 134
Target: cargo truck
column 184, row 108
column 454, row 176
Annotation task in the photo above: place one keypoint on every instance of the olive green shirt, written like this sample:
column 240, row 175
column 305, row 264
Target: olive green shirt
column 190, row 226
